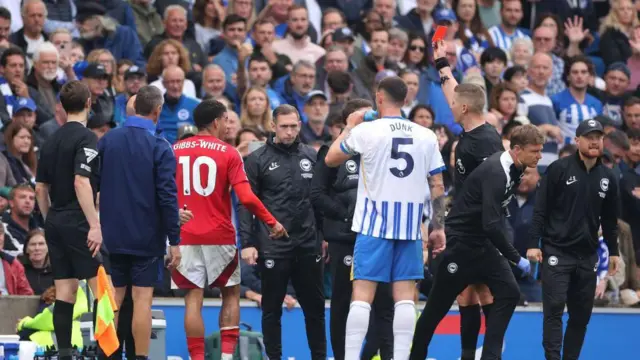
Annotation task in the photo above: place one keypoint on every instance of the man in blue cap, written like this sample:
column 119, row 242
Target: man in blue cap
column 24, row 112
column 134, row 78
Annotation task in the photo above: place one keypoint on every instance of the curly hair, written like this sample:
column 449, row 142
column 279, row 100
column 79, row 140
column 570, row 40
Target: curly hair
column 154, row 65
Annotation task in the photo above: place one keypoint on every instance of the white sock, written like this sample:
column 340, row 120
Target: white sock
column 226, row 357
column 357, row 325
column 404, row 323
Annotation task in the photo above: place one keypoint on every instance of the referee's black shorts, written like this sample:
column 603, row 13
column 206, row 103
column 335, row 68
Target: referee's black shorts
column 66, row 234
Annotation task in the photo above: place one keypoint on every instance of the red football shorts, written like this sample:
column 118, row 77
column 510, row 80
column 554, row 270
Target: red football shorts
column 207, row 266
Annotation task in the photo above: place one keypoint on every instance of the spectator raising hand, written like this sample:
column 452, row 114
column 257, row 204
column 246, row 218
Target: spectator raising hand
column 574, row 30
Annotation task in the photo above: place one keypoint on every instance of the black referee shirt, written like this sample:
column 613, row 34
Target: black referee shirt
column 472, row 149
column 70, row 151
column 478, row 211
column 572, row 203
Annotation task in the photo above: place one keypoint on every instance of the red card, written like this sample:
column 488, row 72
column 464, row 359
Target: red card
column 441, row 31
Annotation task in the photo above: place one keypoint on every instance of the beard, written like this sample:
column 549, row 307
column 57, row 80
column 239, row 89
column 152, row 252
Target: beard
column 589, row 153
column 49, row 75
column 297, row 36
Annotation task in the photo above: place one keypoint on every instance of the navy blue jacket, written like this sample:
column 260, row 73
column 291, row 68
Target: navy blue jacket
column 123, row 44
column 138, row 195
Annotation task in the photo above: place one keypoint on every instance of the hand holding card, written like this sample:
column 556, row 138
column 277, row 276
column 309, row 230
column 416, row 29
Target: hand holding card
column 439, row 35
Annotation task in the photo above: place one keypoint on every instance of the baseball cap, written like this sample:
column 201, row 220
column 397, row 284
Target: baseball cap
column 134, row 70
column 444, row 14
column 95, row 71
column 4, row 192
column 24, row 103
column 343, row 34
column 87, row 9
column 620, row 66
column 589, row 126
column 315, row 93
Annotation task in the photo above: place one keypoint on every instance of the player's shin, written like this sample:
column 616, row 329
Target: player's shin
column 404, row 321
column 193, row 323
column 229, row 321
column 357, row 325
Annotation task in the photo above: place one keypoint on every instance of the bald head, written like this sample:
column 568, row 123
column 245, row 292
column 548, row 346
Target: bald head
column 213, row 80
column 131, row 111
column 544, row 39
column 540, row 71
column 173, row 81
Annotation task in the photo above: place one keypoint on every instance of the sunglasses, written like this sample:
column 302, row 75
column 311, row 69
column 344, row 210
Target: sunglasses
column 416, row 48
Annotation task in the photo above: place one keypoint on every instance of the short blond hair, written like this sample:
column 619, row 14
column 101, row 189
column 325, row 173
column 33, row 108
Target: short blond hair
column 472, row 95
column 526, row 135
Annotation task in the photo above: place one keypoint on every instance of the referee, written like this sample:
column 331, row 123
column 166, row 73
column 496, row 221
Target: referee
column 334, row 194
column 66, row 187
column 477, row 245
column 577, row 196
column 478, row 141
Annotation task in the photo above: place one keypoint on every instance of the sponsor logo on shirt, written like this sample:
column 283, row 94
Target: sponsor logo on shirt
column 90, row 154
column 183, row 114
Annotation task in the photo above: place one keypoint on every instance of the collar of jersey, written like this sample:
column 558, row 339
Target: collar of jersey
column 394, row 118
column 142, row 123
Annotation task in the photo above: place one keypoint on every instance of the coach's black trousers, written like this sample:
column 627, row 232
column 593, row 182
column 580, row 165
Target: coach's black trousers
column 380, row 334
column 306, row 274
column 456, row 268
column 569, row 280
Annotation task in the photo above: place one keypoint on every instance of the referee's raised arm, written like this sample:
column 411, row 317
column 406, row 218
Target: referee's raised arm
column 447, row 80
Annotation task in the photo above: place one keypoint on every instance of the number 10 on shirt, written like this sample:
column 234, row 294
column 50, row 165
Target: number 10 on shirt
column 191, row 176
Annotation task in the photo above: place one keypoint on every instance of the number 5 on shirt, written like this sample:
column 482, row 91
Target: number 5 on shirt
column 397, row 154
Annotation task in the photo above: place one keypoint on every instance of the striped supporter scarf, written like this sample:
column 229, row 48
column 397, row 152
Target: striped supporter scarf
column 6, row 91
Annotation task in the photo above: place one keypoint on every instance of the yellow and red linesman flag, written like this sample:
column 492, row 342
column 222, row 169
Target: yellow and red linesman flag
column 105, row 331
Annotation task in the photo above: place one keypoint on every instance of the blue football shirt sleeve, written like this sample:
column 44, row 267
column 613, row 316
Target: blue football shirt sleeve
column 166, row 189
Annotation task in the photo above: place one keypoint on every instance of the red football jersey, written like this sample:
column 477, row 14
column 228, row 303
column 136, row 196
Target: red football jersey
column 207, row 168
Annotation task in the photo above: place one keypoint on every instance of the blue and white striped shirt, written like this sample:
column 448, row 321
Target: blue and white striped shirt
column 396, row 158
column 570, row 112
column 504, row 40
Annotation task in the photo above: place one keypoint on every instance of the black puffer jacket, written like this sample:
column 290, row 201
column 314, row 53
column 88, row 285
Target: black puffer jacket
column 334, row 192
column 281, row 176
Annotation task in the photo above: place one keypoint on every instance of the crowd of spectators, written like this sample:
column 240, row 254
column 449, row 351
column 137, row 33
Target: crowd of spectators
column 550, row 63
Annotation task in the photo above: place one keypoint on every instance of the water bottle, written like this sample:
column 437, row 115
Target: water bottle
column 1, row 352
column 39, row 354
column 370, row 115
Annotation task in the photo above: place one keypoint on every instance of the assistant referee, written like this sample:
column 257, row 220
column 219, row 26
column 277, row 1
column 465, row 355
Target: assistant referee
column 577, row 196
column 66, row 187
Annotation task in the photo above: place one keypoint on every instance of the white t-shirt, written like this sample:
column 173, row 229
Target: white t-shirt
column 188, row 88
column 32, row 45
column 396, row 158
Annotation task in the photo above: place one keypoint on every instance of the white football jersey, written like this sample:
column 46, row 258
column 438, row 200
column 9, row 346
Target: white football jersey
column 396, row 157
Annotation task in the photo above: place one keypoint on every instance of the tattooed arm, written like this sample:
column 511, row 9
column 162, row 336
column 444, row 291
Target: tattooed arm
column 437, row 240
column 436, row 185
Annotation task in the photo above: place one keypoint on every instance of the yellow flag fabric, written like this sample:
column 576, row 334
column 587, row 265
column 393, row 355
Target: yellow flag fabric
column 105, row 331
